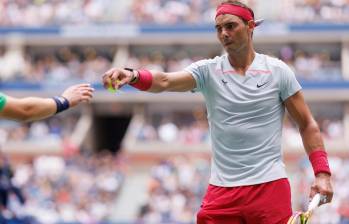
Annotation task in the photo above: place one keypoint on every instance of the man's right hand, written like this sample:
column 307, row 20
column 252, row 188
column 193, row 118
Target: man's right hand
column 116, row 78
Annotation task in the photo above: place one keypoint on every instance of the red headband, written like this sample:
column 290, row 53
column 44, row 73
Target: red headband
column 236, row 10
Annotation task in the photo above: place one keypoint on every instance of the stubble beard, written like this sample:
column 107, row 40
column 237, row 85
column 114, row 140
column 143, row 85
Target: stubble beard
column 236, row 50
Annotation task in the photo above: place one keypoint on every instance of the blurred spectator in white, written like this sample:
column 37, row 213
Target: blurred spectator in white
column 38, row 130
column 168, row 131
column 12, row 62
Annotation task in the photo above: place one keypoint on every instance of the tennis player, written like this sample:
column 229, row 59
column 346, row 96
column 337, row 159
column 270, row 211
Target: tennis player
column 246, row 94
column 37, row 108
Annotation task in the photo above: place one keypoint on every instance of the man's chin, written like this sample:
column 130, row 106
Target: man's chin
column 230, row 48
column 233, row 49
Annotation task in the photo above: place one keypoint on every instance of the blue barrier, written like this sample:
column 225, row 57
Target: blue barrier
column 22, row 86
column 51, row 30
column 135, row 29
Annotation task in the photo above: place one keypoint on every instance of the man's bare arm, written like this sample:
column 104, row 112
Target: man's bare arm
column 181, row 81
column 313, row 144
column 175, row 82
column 28, row 108
column 36, row 108
column 308, row 127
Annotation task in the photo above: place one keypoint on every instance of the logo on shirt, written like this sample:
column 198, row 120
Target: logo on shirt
column 260, row 85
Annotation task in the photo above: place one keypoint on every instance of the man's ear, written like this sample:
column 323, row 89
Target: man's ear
column 251, row 24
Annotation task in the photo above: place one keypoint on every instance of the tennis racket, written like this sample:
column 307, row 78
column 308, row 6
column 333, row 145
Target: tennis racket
column 304, row 217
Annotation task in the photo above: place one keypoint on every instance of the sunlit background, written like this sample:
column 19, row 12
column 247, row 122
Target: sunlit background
column 134, row 157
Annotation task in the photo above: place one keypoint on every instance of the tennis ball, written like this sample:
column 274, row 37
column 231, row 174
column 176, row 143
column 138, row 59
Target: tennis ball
column 111, row 88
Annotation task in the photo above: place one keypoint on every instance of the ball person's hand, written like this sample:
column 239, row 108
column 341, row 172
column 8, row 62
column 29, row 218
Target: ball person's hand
column 78, row 93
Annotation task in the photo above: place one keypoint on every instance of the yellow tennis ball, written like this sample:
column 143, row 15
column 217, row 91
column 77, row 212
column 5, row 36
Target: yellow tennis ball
column 111, row 89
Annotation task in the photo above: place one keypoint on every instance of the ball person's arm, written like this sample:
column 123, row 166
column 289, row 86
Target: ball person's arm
column 36, row 108
column 312, row 140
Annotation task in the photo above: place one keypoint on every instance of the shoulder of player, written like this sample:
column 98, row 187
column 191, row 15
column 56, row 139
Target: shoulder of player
column 275, row 64
column 210, row 61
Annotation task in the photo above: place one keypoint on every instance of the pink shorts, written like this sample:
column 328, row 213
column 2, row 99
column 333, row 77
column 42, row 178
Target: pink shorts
column 267, row 203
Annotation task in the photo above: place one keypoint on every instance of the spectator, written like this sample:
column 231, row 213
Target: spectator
column 7, row 187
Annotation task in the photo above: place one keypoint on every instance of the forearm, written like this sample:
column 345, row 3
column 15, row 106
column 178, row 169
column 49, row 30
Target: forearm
column 311, row 136
column 29, row 109
column 314, row 146
column 315, row 149
column 39, row 108
column 161, row 81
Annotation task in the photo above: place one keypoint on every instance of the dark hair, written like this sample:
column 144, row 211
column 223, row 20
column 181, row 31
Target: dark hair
column 238, row 3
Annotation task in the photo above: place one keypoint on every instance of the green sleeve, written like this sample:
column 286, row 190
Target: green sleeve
column 2, row 101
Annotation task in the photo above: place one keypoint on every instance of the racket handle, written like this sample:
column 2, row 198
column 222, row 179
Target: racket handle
column 315, row 201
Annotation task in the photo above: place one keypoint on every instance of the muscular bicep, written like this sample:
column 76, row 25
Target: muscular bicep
column 175, row 82
column 299, row 110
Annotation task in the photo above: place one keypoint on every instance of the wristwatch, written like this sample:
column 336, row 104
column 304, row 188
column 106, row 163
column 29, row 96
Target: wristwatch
column 134, row 78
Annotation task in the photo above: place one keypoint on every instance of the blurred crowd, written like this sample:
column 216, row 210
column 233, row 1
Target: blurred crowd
column 338, row 211
column 64, row 65
column 316, row 11
column 175, row 191
column 55, row 128
column 38, row 13
column 331, row 130
column 52, row 66
column 66, row 12
column 82, row 188
column 312, row 66
column 181, row 127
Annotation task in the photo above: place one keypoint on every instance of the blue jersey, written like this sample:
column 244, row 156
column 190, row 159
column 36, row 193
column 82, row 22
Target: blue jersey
column 245, row 115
